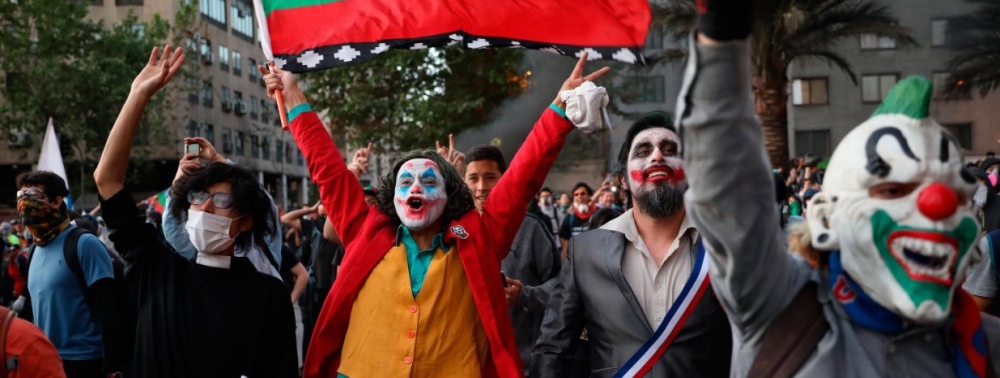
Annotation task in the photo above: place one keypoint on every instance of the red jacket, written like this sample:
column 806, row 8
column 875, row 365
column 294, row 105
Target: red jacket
column 482, row 241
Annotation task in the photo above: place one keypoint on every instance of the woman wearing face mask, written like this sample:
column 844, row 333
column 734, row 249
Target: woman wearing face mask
column 985, row 199
column 214, row 315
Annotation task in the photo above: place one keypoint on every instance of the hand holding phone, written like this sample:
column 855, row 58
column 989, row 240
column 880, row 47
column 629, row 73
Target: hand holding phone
column 192, row 148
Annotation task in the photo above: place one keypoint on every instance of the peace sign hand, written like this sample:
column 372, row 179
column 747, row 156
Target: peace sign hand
column 453, row 156
column 576, row 78
column 359, row 165
column 158, row 71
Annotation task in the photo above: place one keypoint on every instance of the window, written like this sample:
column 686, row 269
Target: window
column 265, row 149
column 253, row 107
column 239, row 143
column 288, row 152
column 223, row 57
column 815, row 142
column 242, row 16
column 210, row 133
column 227, row 140
column 874, row 88
column 809, row 91
column 649, row 89
column 252, row 70
column 874, row 42
column 206, row 48
column 139, row 29
column 654, row 40
column 939, row 33
column 125, row 2
column 237, row 63
column 301, row 158
column 194, row 129
column 206, row 93
column 962, row 133
column 225, row 95
column 254, row 146
column 278, row 153
column 214, row 10
column 193, row 94
column 265, row 111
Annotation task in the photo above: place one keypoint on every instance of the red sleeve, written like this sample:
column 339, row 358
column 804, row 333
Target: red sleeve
column 339, row 190
column 507, row 204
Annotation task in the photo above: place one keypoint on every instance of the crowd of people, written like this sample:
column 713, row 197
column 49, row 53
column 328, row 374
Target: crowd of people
column 460, row 264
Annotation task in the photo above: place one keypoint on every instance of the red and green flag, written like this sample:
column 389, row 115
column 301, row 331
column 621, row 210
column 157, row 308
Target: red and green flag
column 158, row 201
column 308, row 35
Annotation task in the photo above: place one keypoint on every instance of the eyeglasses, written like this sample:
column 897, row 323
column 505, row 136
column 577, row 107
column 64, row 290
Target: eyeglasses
column 31, row 193
column 220, row 199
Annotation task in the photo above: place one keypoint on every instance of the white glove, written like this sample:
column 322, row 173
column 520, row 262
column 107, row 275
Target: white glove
column 584, row 104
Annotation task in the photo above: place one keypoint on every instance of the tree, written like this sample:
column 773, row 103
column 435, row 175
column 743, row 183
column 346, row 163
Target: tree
column 405, row 100
column 58, row 64
column 976, row 38
column 786, row 30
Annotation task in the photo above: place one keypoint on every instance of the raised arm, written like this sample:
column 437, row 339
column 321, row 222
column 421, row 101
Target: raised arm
column 293, row 218
column 110, row 173
column 339, row 190
column 751, row 271
column 508, row 202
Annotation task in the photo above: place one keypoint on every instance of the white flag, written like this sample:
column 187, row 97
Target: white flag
column 50, row 159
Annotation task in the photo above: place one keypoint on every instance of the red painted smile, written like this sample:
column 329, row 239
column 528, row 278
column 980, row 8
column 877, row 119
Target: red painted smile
column 925, row 256
column 658, row 174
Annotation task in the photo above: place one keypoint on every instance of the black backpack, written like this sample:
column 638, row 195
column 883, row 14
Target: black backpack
column 129, row 307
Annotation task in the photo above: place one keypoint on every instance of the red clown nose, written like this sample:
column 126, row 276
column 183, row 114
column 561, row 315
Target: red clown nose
column 937, row 201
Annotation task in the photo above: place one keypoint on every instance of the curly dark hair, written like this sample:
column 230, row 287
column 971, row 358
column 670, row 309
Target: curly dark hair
column 249, row 199
column 656, row 118
column 459, row 197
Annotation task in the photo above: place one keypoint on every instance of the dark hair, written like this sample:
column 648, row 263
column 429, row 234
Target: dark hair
column 249, row 199
column 654, row 119
column 459, row 196
column 54, row 186
column 546, row 189
column 486, row 152
column 579, row 185
column 603, row 216
column 990, row 153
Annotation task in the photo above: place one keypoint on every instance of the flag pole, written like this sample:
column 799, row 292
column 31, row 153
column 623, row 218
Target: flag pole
column 265, row 45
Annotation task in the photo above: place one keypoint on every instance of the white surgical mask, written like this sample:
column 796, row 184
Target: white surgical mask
column 583, row 208
column 209, row 233
column 980, row 197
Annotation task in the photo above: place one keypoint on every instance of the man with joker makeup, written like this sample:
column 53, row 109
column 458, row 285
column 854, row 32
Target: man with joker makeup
column 895, row 220
column 419, row 293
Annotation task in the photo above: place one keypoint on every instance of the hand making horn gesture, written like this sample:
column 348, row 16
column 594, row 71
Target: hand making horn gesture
column 455, row 157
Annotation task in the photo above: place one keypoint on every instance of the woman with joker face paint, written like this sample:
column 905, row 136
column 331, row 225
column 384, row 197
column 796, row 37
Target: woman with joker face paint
column 420, row 281
column 895, row 226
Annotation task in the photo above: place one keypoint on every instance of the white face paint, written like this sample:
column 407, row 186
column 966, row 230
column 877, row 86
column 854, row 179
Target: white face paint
column 654, row 160
column 900, row 210
column 420, row 195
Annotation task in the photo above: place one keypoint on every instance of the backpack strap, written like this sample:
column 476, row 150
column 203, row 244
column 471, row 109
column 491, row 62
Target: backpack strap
column 72, row 257
column 792, row 337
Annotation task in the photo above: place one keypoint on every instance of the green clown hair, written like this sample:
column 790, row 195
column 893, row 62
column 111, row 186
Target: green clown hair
column 910, row 97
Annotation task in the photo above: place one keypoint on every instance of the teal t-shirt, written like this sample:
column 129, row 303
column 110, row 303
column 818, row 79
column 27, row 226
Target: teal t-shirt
column 61, row 311
column 418, row 260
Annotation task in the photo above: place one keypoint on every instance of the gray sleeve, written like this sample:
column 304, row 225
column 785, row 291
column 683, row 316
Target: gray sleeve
column 733, row 209
column 982, row 278
column 547, row 264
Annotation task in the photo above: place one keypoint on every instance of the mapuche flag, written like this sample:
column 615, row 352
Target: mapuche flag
column 308, row 35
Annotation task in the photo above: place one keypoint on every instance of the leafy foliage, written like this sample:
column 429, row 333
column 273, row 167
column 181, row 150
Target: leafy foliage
column 976, row 40
column 405, row 100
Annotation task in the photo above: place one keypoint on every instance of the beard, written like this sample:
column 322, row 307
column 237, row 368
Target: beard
column 662, row 201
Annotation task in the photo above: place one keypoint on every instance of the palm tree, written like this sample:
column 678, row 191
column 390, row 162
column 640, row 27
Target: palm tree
column 976, row 64
column 786, row 30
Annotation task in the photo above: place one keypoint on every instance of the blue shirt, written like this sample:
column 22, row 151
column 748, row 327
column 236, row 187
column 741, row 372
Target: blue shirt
column 61, row 311
column 418, row 261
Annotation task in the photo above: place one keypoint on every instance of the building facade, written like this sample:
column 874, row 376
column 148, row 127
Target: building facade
column 825, row 104
column 227, row 103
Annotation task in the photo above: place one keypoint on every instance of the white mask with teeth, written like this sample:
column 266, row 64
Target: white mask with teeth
column 896, row 202
column 420, row 196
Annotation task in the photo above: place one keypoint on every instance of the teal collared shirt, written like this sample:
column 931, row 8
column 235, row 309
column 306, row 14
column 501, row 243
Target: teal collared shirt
column 418, row 260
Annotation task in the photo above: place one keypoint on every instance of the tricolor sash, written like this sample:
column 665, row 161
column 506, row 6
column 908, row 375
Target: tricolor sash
column 643, row 360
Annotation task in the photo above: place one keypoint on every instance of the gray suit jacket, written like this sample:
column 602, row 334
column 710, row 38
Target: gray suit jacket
column 591, row 292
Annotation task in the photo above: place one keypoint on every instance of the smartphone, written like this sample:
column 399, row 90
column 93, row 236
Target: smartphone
column 503, row 278
column 193, row 148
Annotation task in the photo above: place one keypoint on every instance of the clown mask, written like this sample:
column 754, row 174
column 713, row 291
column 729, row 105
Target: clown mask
column 656, row 172
column 420, row 195
column 896, row 202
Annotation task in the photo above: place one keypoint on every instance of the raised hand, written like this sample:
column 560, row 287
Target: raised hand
column 285, row 82
column 359, row 165
column 208, row 151
column 453, row 156
column 187, row 164
column 158, row 71
column 576, row 78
